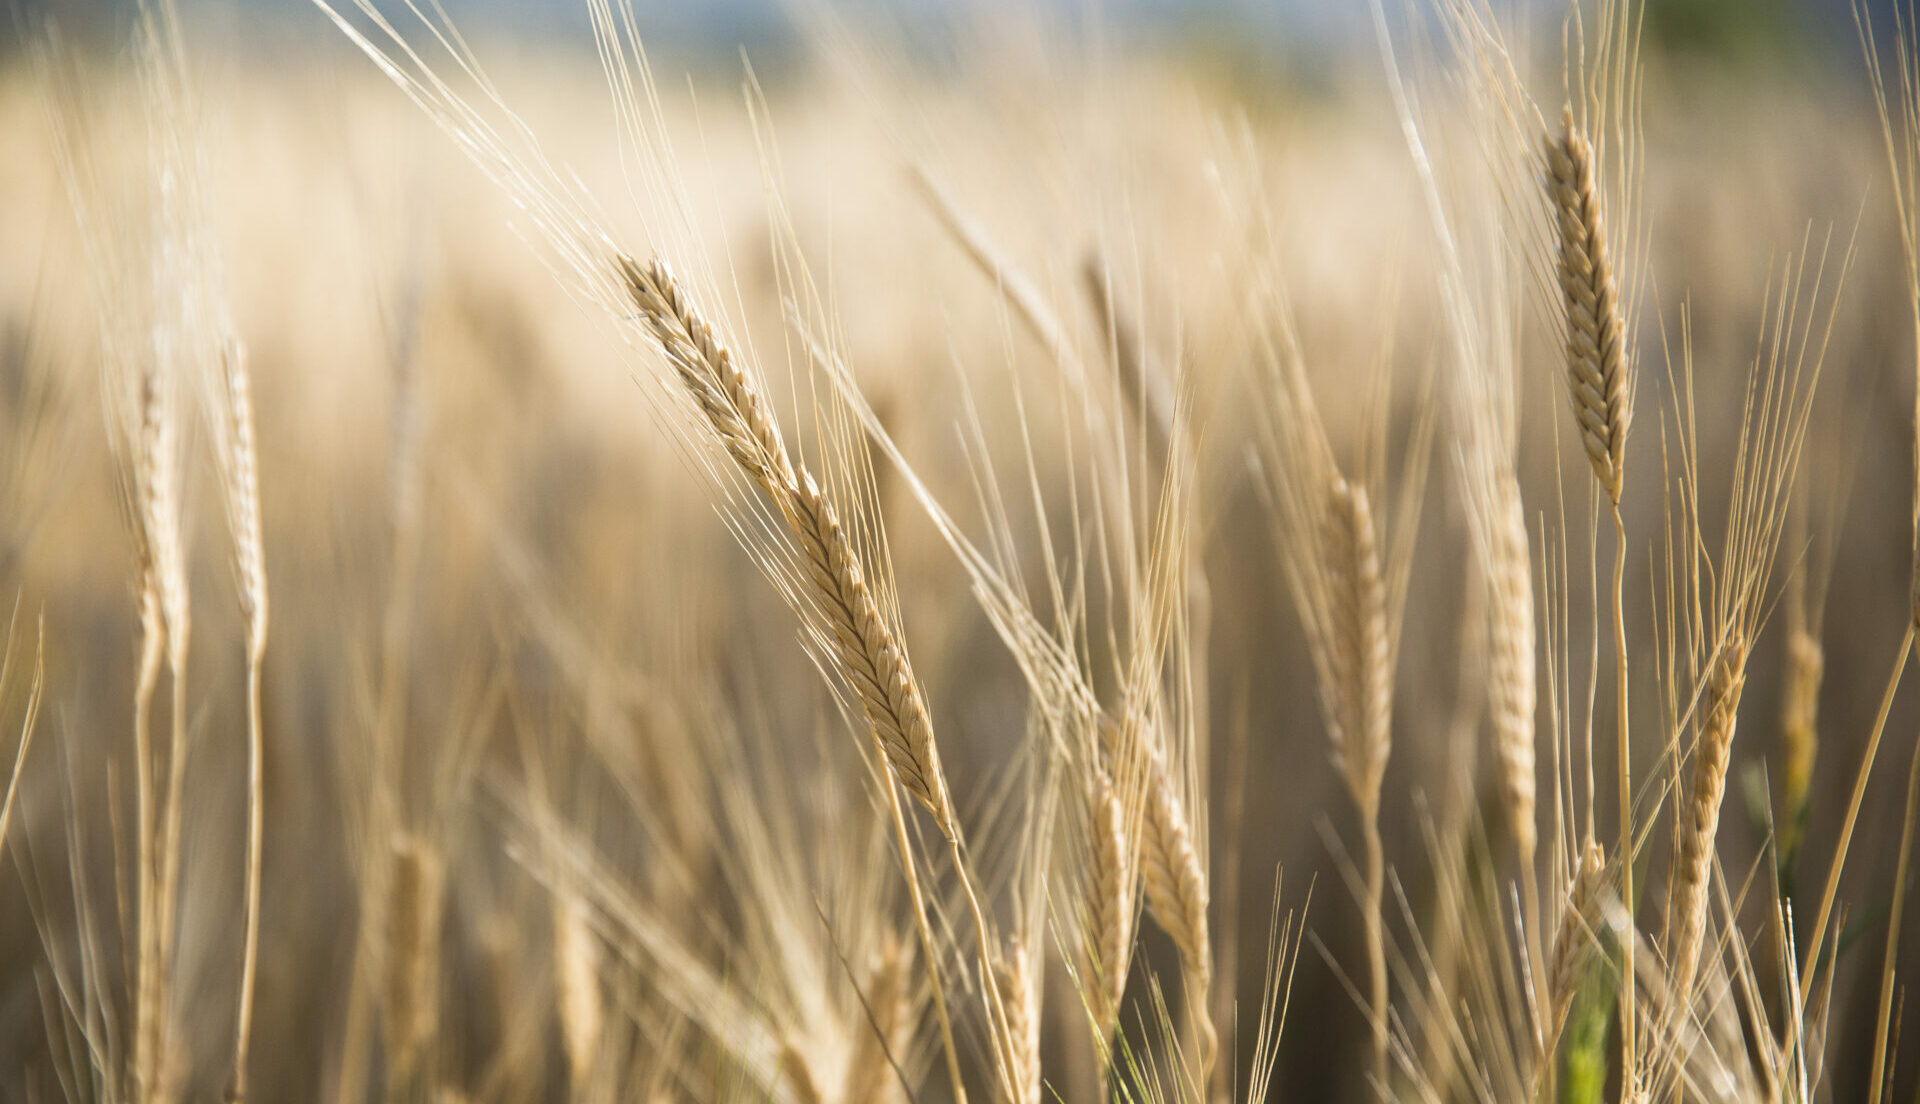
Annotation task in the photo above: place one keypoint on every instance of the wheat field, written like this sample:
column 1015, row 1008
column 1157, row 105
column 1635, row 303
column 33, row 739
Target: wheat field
column 1002, row 555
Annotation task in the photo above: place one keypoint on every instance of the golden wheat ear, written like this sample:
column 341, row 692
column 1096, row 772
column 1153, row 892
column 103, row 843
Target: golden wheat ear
column 871, row 658
column 1597, row 367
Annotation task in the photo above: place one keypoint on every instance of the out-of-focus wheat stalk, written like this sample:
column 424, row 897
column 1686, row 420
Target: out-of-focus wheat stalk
column 28, row 722
column 238, row 456
column 1351, row 593
column 576, row 971
column 410, row 1007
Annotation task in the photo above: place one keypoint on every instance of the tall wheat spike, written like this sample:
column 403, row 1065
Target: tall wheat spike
column 1510, row 666
column 1699, row 826
column 1597, row 365
column 1600, row 384
column 1109, row 901
column 873, row 660
column 1361, row 657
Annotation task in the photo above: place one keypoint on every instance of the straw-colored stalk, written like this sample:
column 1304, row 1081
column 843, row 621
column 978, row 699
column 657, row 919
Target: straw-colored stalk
column 1701, row 822
column 576, row 971
column 871, row 658
column 874, row 661
column 1599, row 381
column 410, row 1006
column 241, row 486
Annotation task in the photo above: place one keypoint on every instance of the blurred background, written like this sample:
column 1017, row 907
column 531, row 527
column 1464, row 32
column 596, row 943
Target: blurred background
column 479, row 536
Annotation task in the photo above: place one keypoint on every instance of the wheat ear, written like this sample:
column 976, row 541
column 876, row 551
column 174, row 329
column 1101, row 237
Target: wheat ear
column 1176, row 888
column 870, row 1068
column 240, row 470
column 1360, row 659
column 1361, row 665
column 1510, row 666
column 1573, row 944
column 1018, row 999
column 1701, row 824
column 873, row 660
column 1109, row 905
column 1599, row 380
column 165, row 629
column 1799, row 736
column 1597, row 368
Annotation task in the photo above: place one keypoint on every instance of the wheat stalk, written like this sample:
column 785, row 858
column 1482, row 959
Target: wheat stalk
column 412, row 953
column 240, row 482
column 870, row 656
column 1600, row 383
column 576, row 971
column 873, row 660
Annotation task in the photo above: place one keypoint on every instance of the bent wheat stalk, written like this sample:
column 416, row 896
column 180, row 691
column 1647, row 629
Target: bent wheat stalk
column 874, row 661
column 1599, row 381
column 871, row 657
